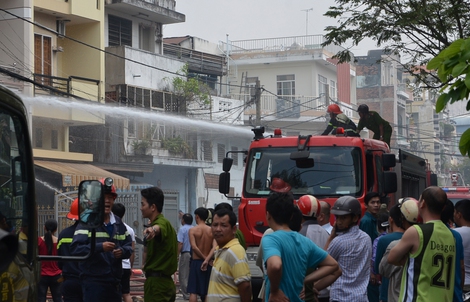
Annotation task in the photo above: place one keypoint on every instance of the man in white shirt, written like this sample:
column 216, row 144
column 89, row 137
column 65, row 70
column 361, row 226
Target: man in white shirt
column 462, row 219
column 324, row 218
column 119, row 210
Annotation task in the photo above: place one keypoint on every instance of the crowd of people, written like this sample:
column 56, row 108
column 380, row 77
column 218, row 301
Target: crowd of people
column 418, row 250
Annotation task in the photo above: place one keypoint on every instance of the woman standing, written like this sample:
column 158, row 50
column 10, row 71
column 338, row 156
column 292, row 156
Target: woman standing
column 51, row 275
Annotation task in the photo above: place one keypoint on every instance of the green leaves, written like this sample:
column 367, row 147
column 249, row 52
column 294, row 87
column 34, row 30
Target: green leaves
column 417, row 30
column 452, row 65
column 464, row 144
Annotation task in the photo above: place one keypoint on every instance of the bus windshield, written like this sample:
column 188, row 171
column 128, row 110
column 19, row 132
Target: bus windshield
column 336, row 172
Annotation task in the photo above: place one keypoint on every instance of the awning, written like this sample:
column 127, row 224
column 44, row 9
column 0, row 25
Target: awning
column 74, row 173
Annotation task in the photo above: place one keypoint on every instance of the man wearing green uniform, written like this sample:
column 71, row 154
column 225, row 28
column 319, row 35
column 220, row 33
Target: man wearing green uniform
column 428, row 252
column 375, row 123
column 162, row 249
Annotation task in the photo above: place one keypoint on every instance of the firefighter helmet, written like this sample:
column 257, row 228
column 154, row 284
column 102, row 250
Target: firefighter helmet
column 279, row 185
column 308, row 205
column 363, row 108
column 108, row 189
column 73, row 212
column 333, row 108
column 409, row 209
column 346, row 205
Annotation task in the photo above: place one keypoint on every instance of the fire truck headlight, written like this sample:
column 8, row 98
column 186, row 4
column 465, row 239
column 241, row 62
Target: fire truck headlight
column 251, row 256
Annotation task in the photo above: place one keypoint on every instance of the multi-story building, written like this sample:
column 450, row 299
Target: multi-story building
column 380, row 85
column 70, row 58
column 298, row 77
column 164, row 139
column 52, row 55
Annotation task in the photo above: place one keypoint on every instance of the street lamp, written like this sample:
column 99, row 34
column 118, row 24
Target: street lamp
column 306, row 19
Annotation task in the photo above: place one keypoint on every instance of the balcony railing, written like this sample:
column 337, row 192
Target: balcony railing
column 287, row 105
column 282, row 44
column 85, row 88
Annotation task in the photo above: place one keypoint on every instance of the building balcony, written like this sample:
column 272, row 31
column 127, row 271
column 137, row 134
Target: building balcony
column 74, row 11
column 404, row 93
column 160, row 11
column 130, row 72
column 198, row 62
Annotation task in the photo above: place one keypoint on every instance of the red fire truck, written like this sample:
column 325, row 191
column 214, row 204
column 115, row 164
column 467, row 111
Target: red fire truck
column 326, row 167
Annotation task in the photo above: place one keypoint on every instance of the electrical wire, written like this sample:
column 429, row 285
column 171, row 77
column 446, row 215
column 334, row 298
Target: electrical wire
column 107, row 52
column 156, row 68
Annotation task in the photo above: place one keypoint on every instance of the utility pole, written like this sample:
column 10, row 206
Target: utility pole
column 306, row 19
column 258, row 102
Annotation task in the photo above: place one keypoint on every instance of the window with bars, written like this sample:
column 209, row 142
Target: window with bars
column 322, row 82
column 119, row 31
column 131, row 127
column 333, row 89
column 157, row 99
column 207, row 150
column 38, row 137
column 220, row 152
column 54, row 139
column 235, row 156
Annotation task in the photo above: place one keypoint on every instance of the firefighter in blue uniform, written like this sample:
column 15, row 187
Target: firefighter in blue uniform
column 100, row 275
column 71, row 288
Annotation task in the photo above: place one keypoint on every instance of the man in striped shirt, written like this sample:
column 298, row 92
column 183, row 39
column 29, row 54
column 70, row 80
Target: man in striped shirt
column 230, row 278
column 352, row 248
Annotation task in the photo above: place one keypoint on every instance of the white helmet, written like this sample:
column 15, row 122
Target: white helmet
column 409, row 208
column 309, row 206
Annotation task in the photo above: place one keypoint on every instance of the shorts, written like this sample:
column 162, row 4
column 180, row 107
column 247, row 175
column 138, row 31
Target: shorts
column 126, row 281
column 198, row 281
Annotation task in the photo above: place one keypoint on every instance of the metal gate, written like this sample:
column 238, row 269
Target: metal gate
column 132, row 217
column 62, row 203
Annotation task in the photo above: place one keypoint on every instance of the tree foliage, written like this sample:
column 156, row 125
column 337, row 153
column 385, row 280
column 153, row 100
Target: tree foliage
column 453, row 70
column 416, row 29
column 189, row 89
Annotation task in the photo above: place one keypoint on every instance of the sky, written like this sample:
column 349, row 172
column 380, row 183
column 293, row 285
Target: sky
column 212, row 20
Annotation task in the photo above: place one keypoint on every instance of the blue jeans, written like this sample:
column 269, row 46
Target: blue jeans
column 52, row 282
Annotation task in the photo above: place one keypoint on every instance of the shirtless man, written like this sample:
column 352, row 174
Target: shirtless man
column 201, row 241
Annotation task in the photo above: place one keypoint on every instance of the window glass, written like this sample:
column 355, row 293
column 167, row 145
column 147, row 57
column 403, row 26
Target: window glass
column 336, row 171
column 15, row 213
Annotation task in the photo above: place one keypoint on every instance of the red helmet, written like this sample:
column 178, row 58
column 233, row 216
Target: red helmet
column 309, row 206
column 107, row 189
column 333, row 108
column 73, row 213
column 279, row 185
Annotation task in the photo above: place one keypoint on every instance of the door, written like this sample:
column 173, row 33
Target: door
column 43, row 59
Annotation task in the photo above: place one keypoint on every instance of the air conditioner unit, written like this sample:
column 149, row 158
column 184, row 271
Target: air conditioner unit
column 61, row 27
column 57, row 48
